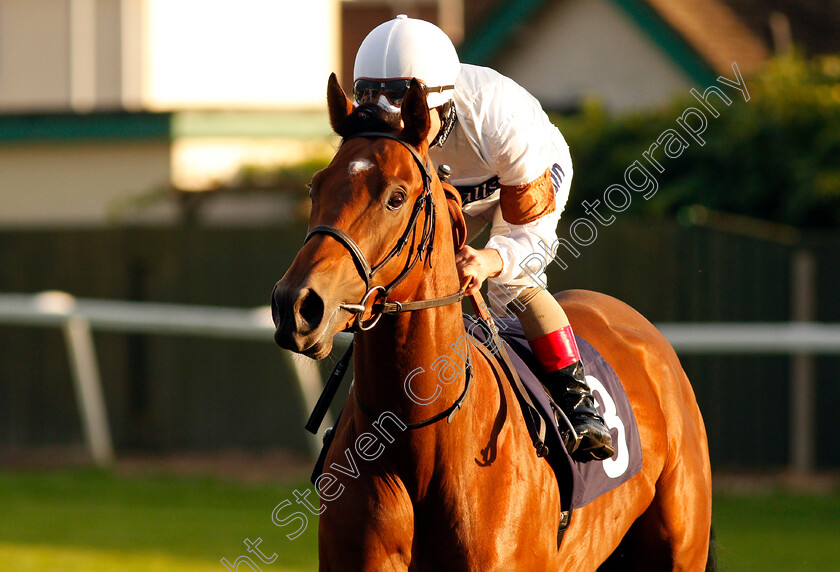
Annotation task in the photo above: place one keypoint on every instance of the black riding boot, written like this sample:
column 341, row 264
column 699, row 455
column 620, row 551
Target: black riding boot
column 591, row 439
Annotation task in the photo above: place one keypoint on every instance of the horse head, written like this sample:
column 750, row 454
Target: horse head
column 373, row 219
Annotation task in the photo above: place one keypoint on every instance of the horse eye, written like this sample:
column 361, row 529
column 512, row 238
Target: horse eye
column 396, row 201
column 309, row 189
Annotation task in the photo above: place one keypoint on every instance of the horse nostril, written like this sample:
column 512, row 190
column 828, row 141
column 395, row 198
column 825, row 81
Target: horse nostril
column 310, row 307
column 279, row 302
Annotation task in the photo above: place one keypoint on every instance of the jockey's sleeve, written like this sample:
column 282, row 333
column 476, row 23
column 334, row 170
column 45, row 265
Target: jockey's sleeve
column 526, row 203
column 522, row 241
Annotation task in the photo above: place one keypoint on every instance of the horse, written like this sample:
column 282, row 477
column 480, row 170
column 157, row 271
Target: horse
column 422, row 493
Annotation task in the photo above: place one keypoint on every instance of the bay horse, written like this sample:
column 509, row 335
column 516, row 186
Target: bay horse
column 428, row 500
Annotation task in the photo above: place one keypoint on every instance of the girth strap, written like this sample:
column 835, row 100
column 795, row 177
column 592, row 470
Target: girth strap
column 537, row 428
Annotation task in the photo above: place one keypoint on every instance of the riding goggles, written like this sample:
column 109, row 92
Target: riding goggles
column 369, row 90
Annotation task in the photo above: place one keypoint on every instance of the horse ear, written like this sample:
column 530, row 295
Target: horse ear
column 339, row 105
column 415, row 115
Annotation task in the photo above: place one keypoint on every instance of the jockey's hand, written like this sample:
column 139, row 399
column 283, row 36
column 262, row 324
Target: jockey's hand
column 477, row 265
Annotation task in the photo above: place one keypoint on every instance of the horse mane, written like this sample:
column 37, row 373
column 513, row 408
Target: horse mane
column 369, row 117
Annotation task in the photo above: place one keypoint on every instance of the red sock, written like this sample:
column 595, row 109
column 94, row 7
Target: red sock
column 556, row 350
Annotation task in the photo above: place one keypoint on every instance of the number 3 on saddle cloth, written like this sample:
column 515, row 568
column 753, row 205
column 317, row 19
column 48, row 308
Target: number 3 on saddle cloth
column 580, row 483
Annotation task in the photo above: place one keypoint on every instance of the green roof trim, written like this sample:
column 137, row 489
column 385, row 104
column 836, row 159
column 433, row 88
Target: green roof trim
column 672, row 43
column 483, row 45
column 84, row 126
column 65, row 126
column 496, row 32
column 303, row 124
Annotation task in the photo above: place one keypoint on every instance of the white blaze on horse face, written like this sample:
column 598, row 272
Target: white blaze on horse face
column 359, row 166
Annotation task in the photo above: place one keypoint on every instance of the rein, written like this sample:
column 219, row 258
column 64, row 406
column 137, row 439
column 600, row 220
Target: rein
column 425, row 204
column 447, row 413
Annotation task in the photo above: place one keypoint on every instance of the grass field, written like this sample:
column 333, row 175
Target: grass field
column 86, row 520
column 778, row 531
column 93, row 521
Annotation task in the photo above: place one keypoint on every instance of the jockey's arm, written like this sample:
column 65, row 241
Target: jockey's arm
column 527, row 210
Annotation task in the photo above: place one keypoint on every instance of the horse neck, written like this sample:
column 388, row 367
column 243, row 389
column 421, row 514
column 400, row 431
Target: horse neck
column 398, row 345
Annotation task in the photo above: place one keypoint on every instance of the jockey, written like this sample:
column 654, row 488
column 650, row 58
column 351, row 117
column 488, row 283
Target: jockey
column 513, row 171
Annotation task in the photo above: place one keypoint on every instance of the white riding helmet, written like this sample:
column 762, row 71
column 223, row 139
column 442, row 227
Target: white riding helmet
column 405, row 48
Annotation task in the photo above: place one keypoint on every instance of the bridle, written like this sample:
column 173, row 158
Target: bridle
column 424, row 203
column 376, row 297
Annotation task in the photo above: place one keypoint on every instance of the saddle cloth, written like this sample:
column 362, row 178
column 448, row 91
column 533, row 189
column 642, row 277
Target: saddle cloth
column 580, row 482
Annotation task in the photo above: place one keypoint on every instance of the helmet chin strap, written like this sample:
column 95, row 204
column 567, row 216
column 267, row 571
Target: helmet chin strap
column 448, row 118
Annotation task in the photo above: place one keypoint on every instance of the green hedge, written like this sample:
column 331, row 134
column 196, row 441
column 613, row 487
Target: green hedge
column 775, row 157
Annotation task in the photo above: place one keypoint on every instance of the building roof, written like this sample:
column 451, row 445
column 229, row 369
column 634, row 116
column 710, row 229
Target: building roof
column 814, row 24
column 715, row 32
column 703, row 37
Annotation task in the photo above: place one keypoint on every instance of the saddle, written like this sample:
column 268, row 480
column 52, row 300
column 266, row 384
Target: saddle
column 580, row 483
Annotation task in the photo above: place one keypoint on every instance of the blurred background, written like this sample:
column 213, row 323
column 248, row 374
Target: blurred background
column 157, row 151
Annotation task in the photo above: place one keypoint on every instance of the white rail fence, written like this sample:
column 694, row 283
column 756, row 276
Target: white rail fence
column 78, row 317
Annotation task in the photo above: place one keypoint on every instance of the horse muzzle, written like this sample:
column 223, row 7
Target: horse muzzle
column 301, row 321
